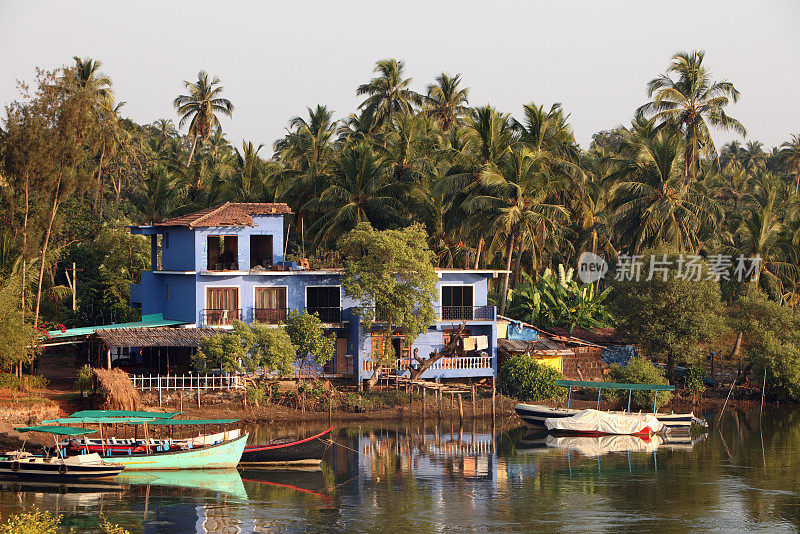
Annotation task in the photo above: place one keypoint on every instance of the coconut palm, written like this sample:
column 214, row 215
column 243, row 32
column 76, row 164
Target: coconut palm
column 357, row 192
column 446, row 101
column 515, row 202
column 790, row 156
column 653, row 204
column 691, row 103
column 388, row 93
column 248, row 180
column 200, row 108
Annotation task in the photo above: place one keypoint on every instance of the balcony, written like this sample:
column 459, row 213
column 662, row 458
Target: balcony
column 228, row 266
column 465, row 313
column 326, row 315
column 270, row 315
column 212, row 317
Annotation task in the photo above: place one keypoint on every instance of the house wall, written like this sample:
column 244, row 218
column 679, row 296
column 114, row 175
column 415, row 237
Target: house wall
column 177, row 250
column 584, row 364
column 263, row 225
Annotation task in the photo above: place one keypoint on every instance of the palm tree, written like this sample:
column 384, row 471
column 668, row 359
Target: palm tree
column 94, row 90
column 388, row 93
column 357, row 192
column 691, row 103
column 790, row 156
column 753, row 156
column 156, row 197
column 761, row 230
column 446, row 101
column 653, row 204
column 514, row 201
column 306, row 154
column 247, row 183
column 200, row 108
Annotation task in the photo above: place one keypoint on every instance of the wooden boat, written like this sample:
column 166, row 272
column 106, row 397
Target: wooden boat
column 306, row 451
column 220, row 456
column 225, row 454
column 534, row 415
column 21, row 464
column 130, row 445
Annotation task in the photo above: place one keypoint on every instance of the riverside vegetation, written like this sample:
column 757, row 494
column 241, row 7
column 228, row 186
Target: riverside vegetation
column 487, row 188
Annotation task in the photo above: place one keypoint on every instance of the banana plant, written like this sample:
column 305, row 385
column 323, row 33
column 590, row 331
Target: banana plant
column 558, row 300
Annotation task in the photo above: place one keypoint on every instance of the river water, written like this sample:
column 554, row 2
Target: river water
column 410, row 477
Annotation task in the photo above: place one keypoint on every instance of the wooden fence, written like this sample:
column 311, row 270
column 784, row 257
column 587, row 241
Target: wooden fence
column 186, row 382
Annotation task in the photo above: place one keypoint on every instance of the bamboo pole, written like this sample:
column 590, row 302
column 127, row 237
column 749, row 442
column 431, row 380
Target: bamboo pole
column 424, row 406
column 473, row 401
column 763, row 387
column 439, row 394
column 494, row 391
column 460, row 410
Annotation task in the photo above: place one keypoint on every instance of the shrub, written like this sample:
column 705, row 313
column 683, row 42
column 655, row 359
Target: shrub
column 84, row 379
column 9, row 381
column 524, row 378
column 694, row 379
column 641, row 371
column 33, row 522
column 256, row 394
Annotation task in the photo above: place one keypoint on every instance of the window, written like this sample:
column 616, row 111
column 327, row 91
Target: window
column 223, row 253
column 270, row 305
column 222, row 305
column 260, row 251
column 456, row 303
column 324, row 300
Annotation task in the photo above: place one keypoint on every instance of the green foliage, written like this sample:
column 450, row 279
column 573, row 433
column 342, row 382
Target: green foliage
column 694, row 379
column 390, row 273
column 28, row 382
column 32, row 522
column 640, row 371
column 83, row 381
column 256, row 394
column 19, row 342
column 560, row 301
column 669, row 319
column 111, row 528
column 306, row 333
column 771, row 341
column 526, row 379
column 247, row 349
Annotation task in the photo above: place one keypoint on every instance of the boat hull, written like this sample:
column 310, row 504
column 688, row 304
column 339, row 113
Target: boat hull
column 55, row 471
column 534, row 415
column 307, row 451
column 221, row 456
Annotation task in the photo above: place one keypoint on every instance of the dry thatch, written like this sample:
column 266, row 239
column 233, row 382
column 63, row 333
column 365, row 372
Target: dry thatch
column 114, row 390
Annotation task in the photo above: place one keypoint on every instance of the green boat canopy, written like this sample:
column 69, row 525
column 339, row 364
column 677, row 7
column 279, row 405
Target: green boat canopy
column 123, row 413
column 613, row 385
column 192, row 421
column 101, row 420
column 57, row 430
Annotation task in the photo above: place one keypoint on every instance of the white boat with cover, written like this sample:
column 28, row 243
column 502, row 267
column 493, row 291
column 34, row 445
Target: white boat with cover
column 597, row 422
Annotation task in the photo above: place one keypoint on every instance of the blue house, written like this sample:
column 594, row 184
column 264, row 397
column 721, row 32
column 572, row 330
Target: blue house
column 227, row 262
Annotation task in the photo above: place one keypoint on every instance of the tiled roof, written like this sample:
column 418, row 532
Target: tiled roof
column 599, row 336
column 228, row 214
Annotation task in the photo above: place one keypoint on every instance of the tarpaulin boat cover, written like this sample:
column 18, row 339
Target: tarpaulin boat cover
column 604, row 423
column 600, row 445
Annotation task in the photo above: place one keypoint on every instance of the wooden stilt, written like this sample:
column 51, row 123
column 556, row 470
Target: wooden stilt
column 460, row 410
column 494, row 391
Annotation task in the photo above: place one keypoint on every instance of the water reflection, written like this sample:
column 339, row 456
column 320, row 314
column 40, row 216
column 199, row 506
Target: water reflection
column 395, row 477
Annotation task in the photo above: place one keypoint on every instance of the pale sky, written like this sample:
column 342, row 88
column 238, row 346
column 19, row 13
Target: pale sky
column 275, row 59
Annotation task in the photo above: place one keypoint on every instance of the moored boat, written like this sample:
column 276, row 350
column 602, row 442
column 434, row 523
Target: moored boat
column 23, row 465
column 594, row 422
column 535, row 415
column 220, row 456
column 306, row 451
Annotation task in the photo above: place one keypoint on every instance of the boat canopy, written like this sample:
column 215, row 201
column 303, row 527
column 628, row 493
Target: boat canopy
column 124, row 413
column 192, row 421
column 614, row 385
column 600, row 386
column 101, row 420
column 57, row 430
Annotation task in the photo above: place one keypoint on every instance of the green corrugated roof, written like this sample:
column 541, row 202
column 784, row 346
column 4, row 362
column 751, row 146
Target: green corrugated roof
column 613, row 385
column 148, row 321
column 123, row 413
column 57, row 430
column 99, row 420
column 192, row 421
